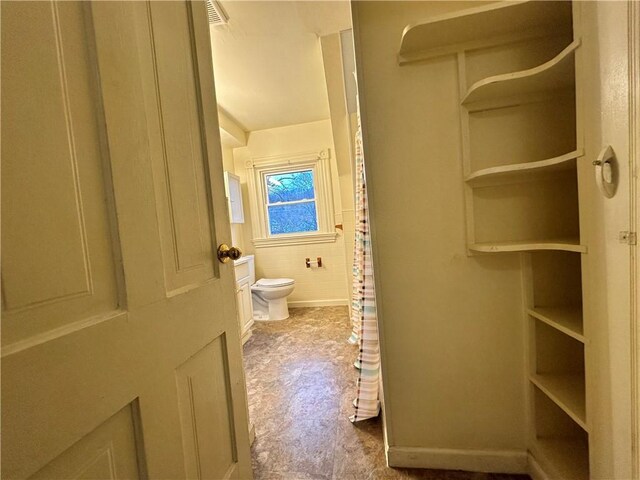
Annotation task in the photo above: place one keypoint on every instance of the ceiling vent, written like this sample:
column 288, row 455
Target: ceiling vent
column 216, row 13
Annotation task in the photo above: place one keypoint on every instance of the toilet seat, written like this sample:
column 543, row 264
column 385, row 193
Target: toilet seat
column 274, row 282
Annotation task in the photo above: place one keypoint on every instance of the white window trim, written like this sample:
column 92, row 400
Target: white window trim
column 318, row 162
column 265, row 198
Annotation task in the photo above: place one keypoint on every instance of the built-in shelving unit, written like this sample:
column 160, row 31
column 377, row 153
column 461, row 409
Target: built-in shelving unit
column 568, row 320
column 557, row 372
column 521, row 172
column 561, row 447
column 527, row 203
column 557, row 369
column 566, row 391
column 568, row 457
column 567, row 245
column 520, row 125
column 482, row 27
column 556, row 74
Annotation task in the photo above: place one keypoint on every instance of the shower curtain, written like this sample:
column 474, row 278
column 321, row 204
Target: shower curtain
column 363, row 303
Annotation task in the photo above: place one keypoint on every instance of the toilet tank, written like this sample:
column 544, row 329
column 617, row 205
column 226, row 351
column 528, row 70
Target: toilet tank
column 245, row 266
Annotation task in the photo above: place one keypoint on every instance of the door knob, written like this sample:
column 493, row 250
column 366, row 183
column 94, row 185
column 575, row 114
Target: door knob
column 606, row 171
column 226, row 253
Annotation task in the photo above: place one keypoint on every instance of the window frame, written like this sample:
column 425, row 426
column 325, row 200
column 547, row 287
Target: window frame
column 257, row 171
column 267, row 204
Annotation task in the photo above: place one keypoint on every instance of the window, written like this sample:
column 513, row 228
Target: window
column 291, row 200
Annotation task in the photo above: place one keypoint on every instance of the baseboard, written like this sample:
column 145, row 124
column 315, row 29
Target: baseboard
column 247, row 334
column 318, row 303
column 490, row 461
column 535, row 470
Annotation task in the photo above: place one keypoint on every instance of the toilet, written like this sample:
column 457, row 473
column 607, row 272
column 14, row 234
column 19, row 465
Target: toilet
column 269, row 297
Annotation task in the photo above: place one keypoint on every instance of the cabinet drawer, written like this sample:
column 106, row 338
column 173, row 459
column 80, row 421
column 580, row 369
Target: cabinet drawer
column 241, row 271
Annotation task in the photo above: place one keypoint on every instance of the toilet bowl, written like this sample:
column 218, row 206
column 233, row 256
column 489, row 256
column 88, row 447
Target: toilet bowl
column 269, row 297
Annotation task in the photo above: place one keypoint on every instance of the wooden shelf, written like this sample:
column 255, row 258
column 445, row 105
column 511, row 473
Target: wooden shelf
column 482, row 27
column 567, row 456
column 567, row 245
column 568, row 320
column 523, row 171
column 556, row 74
column 566, row 391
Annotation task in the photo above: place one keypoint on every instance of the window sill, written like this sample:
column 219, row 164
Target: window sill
column 295, row 240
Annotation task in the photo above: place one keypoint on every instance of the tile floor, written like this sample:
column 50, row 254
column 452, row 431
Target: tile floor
column 301, row 382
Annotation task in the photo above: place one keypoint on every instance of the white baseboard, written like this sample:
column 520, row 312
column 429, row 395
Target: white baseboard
column 535, row 470
column 318, row 303
column 493, row 461
column 247, row 334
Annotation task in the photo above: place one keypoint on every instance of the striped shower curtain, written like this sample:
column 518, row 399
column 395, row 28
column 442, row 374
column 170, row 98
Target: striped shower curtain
column 363, row 303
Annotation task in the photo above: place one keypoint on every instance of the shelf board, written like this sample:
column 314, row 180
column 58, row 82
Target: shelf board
column 566, row 391
column 556, row 74
column 523, row 171
column 482, row 27
column 568, row 457
column 567, row 245
column 568, row 320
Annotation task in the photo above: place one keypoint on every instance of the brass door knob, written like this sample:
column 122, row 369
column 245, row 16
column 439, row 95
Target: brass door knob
column 226, row 253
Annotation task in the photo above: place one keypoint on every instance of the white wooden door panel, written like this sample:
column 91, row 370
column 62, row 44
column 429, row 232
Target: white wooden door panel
column 110, row 378
column 110, row 451
column 180, row 166
column 210, row 452
column 53, row 185
column 58, row 391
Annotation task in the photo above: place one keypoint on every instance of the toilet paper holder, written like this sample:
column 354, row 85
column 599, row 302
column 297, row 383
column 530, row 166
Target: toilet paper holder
column 317, row 262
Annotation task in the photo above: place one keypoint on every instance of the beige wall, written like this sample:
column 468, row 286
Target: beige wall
column 227, row 159
column 341, row 129
column 315, row 286
column 451, row 325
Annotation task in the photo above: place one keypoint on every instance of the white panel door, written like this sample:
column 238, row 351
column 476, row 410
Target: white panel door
column 120, row 345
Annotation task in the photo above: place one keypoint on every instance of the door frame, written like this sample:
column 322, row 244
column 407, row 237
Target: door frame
column 634, row 222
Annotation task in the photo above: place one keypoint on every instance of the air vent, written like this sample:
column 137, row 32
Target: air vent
column 216, row 13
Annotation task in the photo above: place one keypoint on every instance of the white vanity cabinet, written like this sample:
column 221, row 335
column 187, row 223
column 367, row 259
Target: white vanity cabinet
column 245, row 277
column 245, row 273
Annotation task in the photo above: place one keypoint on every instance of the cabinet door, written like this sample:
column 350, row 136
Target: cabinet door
column 245, row 308
column 234, row 196
column 241, row 306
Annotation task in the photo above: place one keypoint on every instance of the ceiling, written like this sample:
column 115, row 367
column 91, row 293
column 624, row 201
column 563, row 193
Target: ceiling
column 268, row 63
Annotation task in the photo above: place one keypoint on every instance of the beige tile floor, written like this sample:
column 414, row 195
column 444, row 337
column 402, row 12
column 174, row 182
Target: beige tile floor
column 301, row 382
